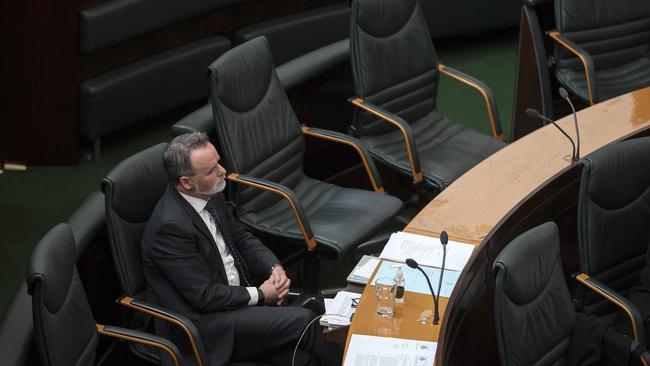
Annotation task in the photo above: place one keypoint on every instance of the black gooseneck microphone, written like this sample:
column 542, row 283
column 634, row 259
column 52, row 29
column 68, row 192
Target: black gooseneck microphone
column 535, row 114
column 565, row 95
column 444, row 238
column 413, row 264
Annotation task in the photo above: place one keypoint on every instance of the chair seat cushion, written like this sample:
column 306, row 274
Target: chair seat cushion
column 446, row 149
column 611, row 82
column 341, row 218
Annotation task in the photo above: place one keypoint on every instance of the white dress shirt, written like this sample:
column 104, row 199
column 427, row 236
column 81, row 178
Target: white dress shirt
column 228, row 262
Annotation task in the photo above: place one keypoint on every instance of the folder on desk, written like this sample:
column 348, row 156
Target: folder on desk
column 363, row 270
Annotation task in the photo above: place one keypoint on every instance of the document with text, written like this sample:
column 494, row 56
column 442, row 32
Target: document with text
column 427, row 251
column 383, row 351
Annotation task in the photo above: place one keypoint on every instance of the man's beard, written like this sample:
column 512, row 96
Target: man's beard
column 214, row 190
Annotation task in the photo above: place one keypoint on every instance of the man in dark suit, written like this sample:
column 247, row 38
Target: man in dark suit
column 199, row 261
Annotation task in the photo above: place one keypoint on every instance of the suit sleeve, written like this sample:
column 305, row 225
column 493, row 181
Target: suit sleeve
column 175, row 252
column 258, row 257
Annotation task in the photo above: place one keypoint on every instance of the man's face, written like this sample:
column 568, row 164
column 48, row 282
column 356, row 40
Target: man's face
column 210, row 177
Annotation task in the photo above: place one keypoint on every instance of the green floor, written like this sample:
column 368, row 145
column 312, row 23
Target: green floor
column 33, row 201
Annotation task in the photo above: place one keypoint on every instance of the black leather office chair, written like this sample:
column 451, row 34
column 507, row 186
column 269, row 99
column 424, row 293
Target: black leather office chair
column 614, row 217
column 396, row 75
column 262, row 145
column 534, row 315
column 65, row 331
column 603, row 47
column 132, row 190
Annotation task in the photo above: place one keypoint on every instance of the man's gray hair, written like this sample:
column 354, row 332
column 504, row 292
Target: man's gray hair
column 176, row 157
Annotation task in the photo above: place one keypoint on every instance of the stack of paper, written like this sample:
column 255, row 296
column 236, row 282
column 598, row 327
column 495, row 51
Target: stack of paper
column 363, row 270
column 339, row 310
column 414, row 281
column 427, row 251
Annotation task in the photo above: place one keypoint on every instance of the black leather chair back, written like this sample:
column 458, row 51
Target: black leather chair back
column 64, row 326
column 258, row 132
column 534, row 314
column 613, row 32
column 614, row 217
column 132, row 190
column 616, row 34
column 394, row 63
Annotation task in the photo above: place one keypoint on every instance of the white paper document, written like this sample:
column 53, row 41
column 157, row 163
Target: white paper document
column 382, row 351
column 339, row 309
column 426, row 250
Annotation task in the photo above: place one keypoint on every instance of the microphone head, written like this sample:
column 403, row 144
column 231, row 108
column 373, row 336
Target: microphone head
column 563, row 93
column 444, row 238
column 412, row 263
column 532, row 113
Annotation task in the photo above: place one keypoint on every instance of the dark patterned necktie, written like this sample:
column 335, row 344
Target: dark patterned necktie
column 212, row 209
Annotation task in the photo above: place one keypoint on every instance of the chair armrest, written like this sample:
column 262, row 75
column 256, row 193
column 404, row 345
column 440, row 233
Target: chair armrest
column 628, row 308
column 486, row 91
column 285, row 193
column 397, row 121
column 585, row 58
column 177, row 319
column 356, row 144
column 143, row 338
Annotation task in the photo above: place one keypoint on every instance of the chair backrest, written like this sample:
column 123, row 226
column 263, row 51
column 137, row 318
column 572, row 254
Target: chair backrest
column 534, row 314
column 132, row 190
column 64, row 328
column 394, row 63
column 258, row 131
column 614, row 217
column 613, row 32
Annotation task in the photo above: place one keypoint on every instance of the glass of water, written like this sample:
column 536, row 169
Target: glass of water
column 385, row 288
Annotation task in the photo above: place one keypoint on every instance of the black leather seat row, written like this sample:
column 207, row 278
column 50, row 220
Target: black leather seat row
column 304, row 46
column 147, row 87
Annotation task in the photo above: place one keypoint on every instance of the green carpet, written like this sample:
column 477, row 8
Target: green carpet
column 33, row 201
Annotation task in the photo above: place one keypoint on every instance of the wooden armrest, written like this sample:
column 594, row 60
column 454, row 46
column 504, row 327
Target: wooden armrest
column 628, row 308
column 404, row 127
column 488, row 95
column 357, row 145
column 173, row 317
column 143, row 338
column 285, row 193
column 584, row 57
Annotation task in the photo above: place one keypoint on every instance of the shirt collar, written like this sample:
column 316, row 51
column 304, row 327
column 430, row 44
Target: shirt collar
column 197, row 203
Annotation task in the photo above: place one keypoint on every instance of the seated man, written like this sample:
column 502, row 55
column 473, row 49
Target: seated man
column 202, row 263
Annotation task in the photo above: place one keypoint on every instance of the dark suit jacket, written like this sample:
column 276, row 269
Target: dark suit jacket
column 185, row 272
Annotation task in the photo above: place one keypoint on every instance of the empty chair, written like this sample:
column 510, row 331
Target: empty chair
column 535, row 320
column 602, row 47
column 614, row 217
column 262, row 145
column 59, row 305
column 396, row 74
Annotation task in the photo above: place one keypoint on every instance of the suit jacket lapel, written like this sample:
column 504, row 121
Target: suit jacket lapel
column 200, row 226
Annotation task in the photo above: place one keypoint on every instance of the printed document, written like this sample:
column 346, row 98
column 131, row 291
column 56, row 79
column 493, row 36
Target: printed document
column 383, row 351
column 427, row 251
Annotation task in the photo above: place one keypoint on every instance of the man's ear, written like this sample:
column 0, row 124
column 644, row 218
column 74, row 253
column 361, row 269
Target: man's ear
column 185, row 183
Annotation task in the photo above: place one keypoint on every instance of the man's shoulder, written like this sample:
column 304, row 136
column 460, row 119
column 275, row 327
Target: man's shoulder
column 169, row 209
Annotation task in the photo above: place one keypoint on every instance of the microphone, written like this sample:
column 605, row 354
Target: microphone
column 565, row 95
column 444, row 238
column 413, row 264
column 535, row 114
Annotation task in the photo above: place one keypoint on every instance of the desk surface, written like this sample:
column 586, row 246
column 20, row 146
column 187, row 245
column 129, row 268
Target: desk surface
column 474, row 206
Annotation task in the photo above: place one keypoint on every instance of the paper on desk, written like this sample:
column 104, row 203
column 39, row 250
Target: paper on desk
column 427, row 251
column 383, row 351
column 414, row 281
column 367, row 268
column 339, row 309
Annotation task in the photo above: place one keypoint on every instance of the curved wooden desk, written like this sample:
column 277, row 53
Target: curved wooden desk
column 528, row 182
